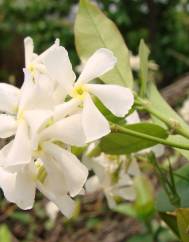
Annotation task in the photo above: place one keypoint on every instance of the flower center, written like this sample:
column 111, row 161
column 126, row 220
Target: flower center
column 20, row 116
column 79, row 91
column 32, row 68
column 41, row 172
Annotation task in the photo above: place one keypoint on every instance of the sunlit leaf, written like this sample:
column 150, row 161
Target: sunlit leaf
column 93, row 30
column 143, row 54
column 163, row 107
column 183, row 223
column 5, row 235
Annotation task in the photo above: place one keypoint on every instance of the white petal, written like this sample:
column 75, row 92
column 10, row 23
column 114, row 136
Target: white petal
column 68, row 130
column 64, row 202
column 134, row 169
column 29, row 47
column 7, row 125
column 93, row 184
column 94, row 124
column 66, row 108
column 158, row 150
column 34, row 96
column 43, row 55
column 98, row 64
column 20, row 152
column 52, row 210
column 18, row 188
column 9, row 98
column 116, row 98
column 66, row 205
column 133, row 118
column 75, row 172
column 59, row 67
column 127, row 193
column 4, row 152
column 37, row 118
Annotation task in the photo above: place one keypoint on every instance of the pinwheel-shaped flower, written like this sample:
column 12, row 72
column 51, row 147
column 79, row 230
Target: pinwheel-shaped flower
column 114, row 176
column 56, row 172
column 116, row 98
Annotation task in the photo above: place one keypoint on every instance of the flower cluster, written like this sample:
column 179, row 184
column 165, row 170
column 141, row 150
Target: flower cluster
column 49, row 114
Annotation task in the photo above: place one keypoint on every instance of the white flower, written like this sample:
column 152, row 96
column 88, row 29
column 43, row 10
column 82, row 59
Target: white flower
column 52, row 210
column 117, row 99
column 55, row 171
column 34, row 64
column 15, row 107
column 114, row 175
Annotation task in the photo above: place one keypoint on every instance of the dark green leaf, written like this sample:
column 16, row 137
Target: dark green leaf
column 119, row 143
column 171, row 221
column 181, row 177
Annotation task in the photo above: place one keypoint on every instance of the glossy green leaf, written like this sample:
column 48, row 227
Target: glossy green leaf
column 93, row 30
column 5, row 235
column 163, row 107
column 183, row 223
column 119, row 143
column 143, row 54
column 181, row 177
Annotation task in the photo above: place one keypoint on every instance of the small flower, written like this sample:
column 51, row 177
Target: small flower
column 114, row 175
column 116, row 98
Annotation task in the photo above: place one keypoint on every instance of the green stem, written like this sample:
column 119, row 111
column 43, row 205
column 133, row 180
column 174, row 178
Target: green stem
column 118, row 128
column 171, row 123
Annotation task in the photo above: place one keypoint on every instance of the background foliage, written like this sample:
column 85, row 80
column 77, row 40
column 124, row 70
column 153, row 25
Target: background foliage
column 163, row 24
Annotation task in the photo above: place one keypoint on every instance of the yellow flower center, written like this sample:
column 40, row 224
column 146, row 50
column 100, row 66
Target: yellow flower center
column 79, row 91
column 20, row 116
column 41, row 172
column 32, row 68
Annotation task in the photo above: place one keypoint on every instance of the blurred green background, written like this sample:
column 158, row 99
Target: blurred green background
column 164, row 24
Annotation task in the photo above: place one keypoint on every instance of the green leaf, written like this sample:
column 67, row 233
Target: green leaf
column 171, row 221
column 163, row 107
column 144, row 204
column 143, row 54
column 183, row 223
column 181, row 177
column 93, row 30
column 5, row 235
column 141, row 237
column 126, row 209
column 119, row 143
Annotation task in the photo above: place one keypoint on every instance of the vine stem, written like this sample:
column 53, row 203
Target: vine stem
column 171, row 123
column 121, row 129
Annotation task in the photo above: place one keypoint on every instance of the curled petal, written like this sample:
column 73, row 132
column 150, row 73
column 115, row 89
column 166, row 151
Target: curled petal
column 59, row 67
column 116, row 98
column 75, row 173
column 98, row 64
column 29, row 48
column 94, row 123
